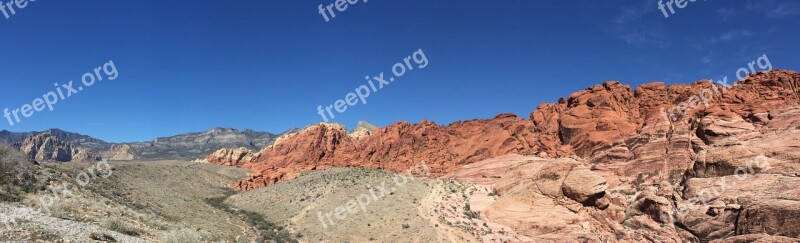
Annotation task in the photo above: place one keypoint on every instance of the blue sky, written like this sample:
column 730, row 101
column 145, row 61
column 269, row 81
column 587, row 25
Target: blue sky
column 189, row 66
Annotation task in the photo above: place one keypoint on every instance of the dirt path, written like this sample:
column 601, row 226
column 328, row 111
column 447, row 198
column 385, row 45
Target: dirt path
column 243, row 228
column 428, row 209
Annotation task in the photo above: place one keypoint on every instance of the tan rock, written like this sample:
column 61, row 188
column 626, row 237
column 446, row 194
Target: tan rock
column 120, row 152
column 581, row 184
column 364, row 129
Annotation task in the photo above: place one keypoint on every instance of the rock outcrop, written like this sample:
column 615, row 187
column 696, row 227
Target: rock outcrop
column 122, row 152
column 45, row 147
column 231, row 157
column 363, row 129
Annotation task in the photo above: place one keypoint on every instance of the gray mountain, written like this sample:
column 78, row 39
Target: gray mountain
column 188, row 146
column 198, row 145
column 17, row 138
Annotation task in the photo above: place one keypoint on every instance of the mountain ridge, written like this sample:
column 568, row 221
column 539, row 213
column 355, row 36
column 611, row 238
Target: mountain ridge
column 186, row 146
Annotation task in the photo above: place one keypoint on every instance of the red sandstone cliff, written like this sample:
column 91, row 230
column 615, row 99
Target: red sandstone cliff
column 608, row 123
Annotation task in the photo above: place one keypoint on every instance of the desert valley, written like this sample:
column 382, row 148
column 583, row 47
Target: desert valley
column 356, row 121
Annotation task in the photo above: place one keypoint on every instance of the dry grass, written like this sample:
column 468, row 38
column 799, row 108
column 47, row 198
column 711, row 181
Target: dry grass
column 116, row 224
column 187, row 236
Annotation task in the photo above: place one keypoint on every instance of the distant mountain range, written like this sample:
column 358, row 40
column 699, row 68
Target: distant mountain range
column 63, row 146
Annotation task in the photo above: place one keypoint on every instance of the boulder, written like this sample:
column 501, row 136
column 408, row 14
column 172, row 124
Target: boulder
column 581, row 184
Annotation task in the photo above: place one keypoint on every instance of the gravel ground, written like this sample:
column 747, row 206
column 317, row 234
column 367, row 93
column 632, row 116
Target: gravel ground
column 404, row 212
column 34, row 226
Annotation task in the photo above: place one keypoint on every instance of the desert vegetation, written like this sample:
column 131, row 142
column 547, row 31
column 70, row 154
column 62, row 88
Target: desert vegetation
column 17, row 174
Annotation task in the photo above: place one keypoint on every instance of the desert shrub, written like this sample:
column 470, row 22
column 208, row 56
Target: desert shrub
column 115, row 224
column 17, row 174
column 186, row 236
column 65, row 209
column 469, row 213
column 153, row 221
column 550, row 176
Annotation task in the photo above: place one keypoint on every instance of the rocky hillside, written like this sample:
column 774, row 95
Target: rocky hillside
column 58, row 145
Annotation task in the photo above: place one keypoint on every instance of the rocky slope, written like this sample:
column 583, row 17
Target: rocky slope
column 724, row 167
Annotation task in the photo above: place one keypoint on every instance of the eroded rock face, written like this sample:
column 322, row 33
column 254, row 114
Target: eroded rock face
column 231, row 157
column 120, row 152
column 45, row 147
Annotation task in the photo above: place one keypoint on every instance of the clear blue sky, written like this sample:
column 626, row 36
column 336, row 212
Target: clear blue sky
column 266, row 65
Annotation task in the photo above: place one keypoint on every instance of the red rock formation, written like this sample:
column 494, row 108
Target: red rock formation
column 394, row 148
column 623, row 130
column 611, row 166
